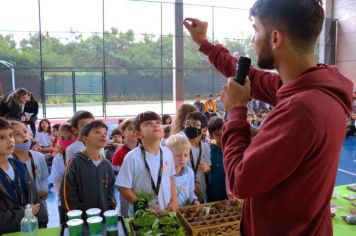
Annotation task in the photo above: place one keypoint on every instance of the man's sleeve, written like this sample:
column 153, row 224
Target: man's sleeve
column 220, row 57
column 264, row 84
column 253, row 168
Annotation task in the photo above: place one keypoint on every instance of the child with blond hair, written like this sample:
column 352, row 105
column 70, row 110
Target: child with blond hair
column 184, row 177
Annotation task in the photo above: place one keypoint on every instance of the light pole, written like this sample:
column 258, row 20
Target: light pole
column 11, row 66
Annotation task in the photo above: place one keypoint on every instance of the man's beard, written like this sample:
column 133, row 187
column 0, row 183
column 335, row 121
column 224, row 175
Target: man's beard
column 265, row 59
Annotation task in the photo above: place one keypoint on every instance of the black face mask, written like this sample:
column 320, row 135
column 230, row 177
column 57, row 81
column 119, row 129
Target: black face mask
column 192, row 132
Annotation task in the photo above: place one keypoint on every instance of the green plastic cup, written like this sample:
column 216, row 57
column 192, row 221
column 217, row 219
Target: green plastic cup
column 94, row 224
column 75, row 227
column 93, row 212
column 74, row 214
column 111, row 217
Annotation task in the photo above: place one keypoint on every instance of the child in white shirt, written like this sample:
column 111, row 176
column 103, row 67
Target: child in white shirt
column 149, row 167
column 44, row 136
column 36, row 165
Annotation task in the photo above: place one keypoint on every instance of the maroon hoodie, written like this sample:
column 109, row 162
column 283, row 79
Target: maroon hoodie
column 286, row 174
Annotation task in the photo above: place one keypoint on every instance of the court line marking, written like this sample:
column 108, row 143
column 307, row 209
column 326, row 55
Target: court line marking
column 347, row 172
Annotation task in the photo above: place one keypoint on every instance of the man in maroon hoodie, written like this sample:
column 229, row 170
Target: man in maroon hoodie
column 286, row 174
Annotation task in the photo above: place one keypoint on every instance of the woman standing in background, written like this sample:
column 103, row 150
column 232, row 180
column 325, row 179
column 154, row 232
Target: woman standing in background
column 12, row 107
column 31, row 111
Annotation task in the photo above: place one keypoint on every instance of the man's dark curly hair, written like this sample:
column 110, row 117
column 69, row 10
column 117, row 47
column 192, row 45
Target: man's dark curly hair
column 301, row 20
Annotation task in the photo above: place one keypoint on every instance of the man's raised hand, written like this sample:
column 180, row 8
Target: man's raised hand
column 197, row 29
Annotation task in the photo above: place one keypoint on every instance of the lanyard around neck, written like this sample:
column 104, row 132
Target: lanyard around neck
column 195, row 167
column 32, row 165
column 160, row 171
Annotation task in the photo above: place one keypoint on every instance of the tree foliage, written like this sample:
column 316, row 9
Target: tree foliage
column 123, row 52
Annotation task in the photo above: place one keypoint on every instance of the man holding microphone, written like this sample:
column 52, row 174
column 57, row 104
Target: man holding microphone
column 286, row 174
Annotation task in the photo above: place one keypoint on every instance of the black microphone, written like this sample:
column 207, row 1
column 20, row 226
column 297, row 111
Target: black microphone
column 242, row 67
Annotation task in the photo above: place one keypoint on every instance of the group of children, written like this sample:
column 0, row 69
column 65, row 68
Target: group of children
column 185, row 171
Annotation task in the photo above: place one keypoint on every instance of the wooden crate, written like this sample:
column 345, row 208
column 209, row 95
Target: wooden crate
column 223, row 218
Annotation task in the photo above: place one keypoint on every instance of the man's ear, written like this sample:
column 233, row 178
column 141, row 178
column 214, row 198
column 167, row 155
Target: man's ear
column 277, row 38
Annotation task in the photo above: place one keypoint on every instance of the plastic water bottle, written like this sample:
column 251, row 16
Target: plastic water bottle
column 29, row 223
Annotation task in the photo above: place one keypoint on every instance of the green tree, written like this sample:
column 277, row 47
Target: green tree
column 125, row 53
column 8, row 50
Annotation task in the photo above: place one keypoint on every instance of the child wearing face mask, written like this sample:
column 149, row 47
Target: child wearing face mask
column 66, row 138
column 195, row 127
column 35, row 163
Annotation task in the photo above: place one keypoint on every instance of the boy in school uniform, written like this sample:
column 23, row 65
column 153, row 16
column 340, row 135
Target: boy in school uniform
column 195, row 127
column 184, row 177
column 149, row 167
column 89, row 180
column 35, row 163
column 78, row 121
column 16, row 187
column 130, row 142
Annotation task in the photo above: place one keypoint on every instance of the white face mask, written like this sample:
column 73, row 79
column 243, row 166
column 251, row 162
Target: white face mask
column 21, row 147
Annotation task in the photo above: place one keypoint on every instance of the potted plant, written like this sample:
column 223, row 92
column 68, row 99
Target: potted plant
column 143, row 200
column 167, row 220
column 144, row 219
